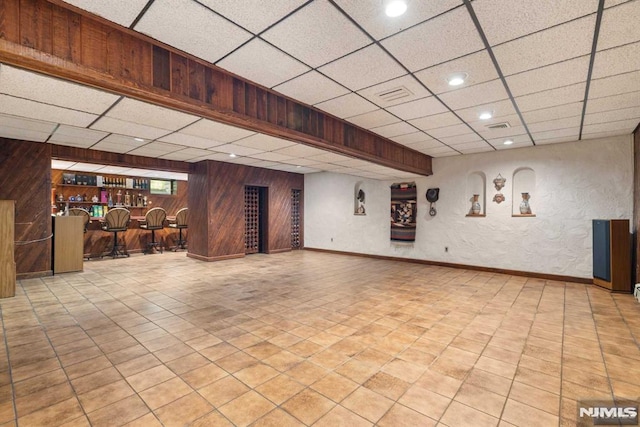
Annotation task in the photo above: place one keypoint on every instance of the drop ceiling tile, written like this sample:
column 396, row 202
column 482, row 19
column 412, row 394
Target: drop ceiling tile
column 443, row 151
column 272, row 157
column 109, row 124
column 550, row 98
column 471, row 145
column 475, row 95
column 352, row 163
column 504, row 20
column 501, row 146
column 441, row 39
column 249, row 62
column 549, row 77
column 311, row 88
column 254, row 15
column 124, row 14
column 615, row 102
column 454, row 130
column 611, row 3
column 113, row 169
column 315, row 45
column 118, row 143
column 85, row 167
column 418, row 108
column 557, row 140
column 328, row 157
column 76, row 137
column 347, row 106
column 435, row 121
column 546, row 47
column 38, row 111
column 619, row 26
column 8, row 121
column 223, row 157
column 622, row 127
column 356, row 70
column 571, row 133
column 388, row 131
column 425, row 145
column 190, row 140
column 515, row 129
column 61, row 164
column 461, row 139
column 299, row 150
column 55, row 92
column 600, row 135
column 501, row 111
column 521, row 140
column 373, row 119
column 619, row 60
column 483, row 149
column 300, row 161
column 614, row 115
column 23, row 134
column 485, row 125
column 155, row 149
column 407, row 85
column 134, row 111
column 187, row 25
column 568, row 122
column 264, row 142
column 557, row 112
column 237, row 149
column 411, row 138
column 478, row 67
column 614, row 85
column 209, row 129
column 371, row 16
column 186, row 154
column 264, row 164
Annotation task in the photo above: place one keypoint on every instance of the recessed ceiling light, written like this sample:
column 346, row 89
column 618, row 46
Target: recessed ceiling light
column 138, row 139
column 232, row 155
column 486, row 115
column 457, row 79
column 508, row 142
column 396, row 8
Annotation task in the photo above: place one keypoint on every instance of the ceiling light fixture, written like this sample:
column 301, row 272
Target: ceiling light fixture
column 395, row 8
column 508, row 142
column 232, row 155
column 486, row 115
column 138, row 139
column 457, row 79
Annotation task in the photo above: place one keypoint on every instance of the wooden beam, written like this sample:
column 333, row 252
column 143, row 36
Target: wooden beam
column 44, row 36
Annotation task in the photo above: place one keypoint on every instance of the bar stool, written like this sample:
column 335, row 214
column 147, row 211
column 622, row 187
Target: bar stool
column 154, row 220
column 116, row 220
column 180, row 223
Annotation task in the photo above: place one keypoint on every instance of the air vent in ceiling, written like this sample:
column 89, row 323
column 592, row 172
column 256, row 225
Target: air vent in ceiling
column 393, row 94
column 503, row 125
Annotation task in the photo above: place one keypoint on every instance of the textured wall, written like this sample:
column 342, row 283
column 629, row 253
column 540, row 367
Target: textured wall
column 575, row 182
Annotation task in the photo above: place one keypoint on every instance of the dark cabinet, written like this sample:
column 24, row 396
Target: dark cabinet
column 612, row 254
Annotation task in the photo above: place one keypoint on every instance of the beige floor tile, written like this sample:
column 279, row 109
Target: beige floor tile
column 246, row 408
column 204, row 375
column 119, row 413
column 279, row 389
column 105, row 395
column 149, row 378
column 165, row 393
column 481, row 399
column 461, row 415
column 223, row 390
column 255, row 375
column 522, row 415
column 426, row 402
column 277, row 418
column 57, row 414
column 307, row 372
column 367, row 404
column 400, row 415
column 184, row 410
column 341, row 417
column 548, row 402
column 308, row 406
column 211, row 419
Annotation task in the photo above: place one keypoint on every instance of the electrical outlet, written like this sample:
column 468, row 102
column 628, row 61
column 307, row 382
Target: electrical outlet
column 446, row 248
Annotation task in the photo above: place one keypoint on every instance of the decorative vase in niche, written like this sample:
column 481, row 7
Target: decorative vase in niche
column 525, row 208
column 475, row 205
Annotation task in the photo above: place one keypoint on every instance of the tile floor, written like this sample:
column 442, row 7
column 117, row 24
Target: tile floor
column 307, row 338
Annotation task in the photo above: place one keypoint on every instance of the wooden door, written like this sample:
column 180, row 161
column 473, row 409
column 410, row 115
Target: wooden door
column 295, row 219
column 251, row 220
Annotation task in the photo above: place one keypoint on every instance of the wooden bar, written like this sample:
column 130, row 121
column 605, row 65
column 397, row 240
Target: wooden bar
column 68, row 244
column 7, row 237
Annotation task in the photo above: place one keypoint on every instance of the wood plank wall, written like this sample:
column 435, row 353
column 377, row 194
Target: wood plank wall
column 217, row 225
column 636, row 204
column 57, row 39
column 25, row 176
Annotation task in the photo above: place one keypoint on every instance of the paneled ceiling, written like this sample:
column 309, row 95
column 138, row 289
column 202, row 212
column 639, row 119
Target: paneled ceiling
column 550, row 71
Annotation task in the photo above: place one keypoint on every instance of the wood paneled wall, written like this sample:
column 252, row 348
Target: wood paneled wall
column 25, row 176
column 216, row 223
column 636, row 204
column 55, row 38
